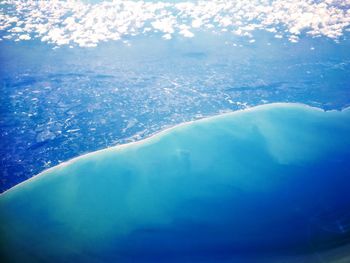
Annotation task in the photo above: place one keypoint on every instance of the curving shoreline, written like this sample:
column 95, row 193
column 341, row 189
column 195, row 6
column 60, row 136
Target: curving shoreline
column 271, row 180
column 163, row 132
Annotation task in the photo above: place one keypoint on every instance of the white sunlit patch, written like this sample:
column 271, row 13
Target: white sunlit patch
column 86, row 25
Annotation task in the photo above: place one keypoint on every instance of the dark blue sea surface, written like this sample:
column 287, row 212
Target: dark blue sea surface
column 269, row 184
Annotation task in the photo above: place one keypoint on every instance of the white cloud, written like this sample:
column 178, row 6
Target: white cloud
column 24, row 37
column 75, row 22
column 167, row 36
column 186, row 33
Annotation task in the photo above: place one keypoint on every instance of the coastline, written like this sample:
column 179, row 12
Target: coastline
column 164, row 132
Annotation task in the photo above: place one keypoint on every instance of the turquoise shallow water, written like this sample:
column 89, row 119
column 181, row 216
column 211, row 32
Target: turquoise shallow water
column 259, row 185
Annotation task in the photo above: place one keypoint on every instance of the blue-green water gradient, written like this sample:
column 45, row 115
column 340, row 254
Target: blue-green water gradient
column 261, row 185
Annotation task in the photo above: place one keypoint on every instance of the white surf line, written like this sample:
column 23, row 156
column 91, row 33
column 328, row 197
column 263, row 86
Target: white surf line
column 164, row 132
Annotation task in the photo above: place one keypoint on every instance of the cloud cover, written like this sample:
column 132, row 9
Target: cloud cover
column 86, row 25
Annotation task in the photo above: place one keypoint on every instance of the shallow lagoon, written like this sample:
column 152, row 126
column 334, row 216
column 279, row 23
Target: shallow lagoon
column 260, row 185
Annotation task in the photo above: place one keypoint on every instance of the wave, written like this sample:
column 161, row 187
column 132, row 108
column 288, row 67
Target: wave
column 267, row 183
